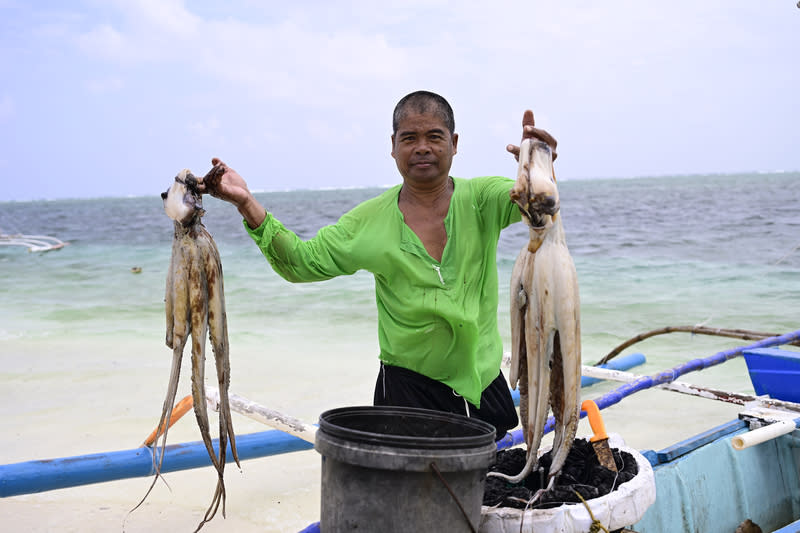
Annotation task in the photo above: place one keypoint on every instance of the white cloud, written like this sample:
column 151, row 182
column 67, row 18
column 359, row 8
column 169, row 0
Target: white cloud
column 106, row 42
column 168, row 18
column 251, row 80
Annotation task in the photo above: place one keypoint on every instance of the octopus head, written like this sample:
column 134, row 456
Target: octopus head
column 536, row 192
column 182, row 201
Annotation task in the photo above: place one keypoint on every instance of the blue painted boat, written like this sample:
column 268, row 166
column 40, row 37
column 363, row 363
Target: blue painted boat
column 704, row 484
column 774, row 372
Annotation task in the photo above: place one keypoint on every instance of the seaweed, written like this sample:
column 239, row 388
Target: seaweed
column 582, row 473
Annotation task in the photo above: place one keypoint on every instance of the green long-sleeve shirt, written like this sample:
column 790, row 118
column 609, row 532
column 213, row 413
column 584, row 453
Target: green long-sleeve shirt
column 435, row 318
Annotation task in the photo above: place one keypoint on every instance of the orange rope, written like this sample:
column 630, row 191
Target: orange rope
column 178, row 411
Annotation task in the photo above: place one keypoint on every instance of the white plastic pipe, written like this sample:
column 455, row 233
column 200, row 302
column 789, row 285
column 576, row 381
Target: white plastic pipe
column 763, row 434
column 286, row 423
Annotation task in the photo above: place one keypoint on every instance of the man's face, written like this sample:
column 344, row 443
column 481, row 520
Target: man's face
column 423, row 148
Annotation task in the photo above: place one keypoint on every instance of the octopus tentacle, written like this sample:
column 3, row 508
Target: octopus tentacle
column 214, row 316
column 199, row 317
column 178, row 330
column 218, row 334
column 519, row 303
column 169, row 296
column 565, row 390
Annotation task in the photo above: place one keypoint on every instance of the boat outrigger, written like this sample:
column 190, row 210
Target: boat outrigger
column 748, row 468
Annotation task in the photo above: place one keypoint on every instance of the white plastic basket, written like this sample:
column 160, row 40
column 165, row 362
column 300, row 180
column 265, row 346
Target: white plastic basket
column 620, row 508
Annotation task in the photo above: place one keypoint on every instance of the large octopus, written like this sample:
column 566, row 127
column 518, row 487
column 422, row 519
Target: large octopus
column 545, row 314
column 195, row 304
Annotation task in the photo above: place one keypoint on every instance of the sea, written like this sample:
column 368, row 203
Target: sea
column 84, row 365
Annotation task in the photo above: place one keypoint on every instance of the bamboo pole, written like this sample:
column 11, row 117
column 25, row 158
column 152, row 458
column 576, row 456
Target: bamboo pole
column 178, row 411
column 697, row 330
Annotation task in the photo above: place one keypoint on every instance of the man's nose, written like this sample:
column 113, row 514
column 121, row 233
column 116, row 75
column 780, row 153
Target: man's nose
column 422, row 147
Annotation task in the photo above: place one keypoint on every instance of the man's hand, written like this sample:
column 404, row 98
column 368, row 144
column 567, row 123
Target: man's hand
column 529, row 131
column 232, row 188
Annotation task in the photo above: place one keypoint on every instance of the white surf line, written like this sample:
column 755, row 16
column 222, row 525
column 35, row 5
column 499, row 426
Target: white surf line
column 270, row 417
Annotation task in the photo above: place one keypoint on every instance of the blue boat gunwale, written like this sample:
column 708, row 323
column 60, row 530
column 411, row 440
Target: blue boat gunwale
column 684, row 447
column 780, row 353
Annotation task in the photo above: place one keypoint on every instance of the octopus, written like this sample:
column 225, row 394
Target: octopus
column 545, row 315
column 195, row 305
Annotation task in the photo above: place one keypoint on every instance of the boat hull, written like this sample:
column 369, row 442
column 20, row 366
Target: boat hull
column 714, row 487
column 774, row 372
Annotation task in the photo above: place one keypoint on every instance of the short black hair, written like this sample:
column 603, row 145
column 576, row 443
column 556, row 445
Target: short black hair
column 424, row 102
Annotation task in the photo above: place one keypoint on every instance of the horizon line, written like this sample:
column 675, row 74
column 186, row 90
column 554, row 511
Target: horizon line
column 386, row 186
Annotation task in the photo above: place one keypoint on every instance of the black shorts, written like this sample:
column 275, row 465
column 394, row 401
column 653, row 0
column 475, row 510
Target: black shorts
column 397, row 386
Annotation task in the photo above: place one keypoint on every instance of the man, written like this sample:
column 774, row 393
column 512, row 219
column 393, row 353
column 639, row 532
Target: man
column 431, row 244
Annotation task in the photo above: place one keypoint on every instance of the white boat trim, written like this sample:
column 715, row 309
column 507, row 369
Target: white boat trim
column 34, row 243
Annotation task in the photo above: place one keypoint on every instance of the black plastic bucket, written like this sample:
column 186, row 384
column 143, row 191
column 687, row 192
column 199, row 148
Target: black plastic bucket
column 390, row 469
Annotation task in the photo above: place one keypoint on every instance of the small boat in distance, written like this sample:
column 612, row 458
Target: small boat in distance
column 35, row 243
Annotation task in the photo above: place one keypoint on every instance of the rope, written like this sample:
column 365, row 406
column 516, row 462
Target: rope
column 596, row 526
column 453, row 494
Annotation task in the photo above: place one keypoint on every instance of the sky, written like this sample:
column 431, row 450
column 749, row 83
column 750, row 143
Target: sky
column 112, row 98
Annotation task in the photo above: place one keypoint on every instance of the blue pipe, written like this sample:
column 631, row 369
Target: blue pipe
column 39, row 476
column 667, row 376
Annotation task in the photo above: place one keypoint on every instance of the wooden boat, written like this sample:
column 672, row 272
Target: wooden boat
column 34, row 243
column 703, row 484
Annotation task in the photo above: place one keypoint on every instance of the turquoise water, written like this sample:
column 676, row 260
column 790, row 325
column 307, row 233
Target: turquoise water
column 649, row 253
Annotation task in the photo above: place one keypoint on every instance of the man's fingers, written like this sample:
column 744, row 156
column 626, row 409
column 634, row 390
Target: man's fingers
column 544, row 136
column 527, row 118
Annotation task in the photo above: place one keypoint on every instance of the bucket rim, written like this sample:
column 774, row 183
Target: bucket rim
column 484, row 432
